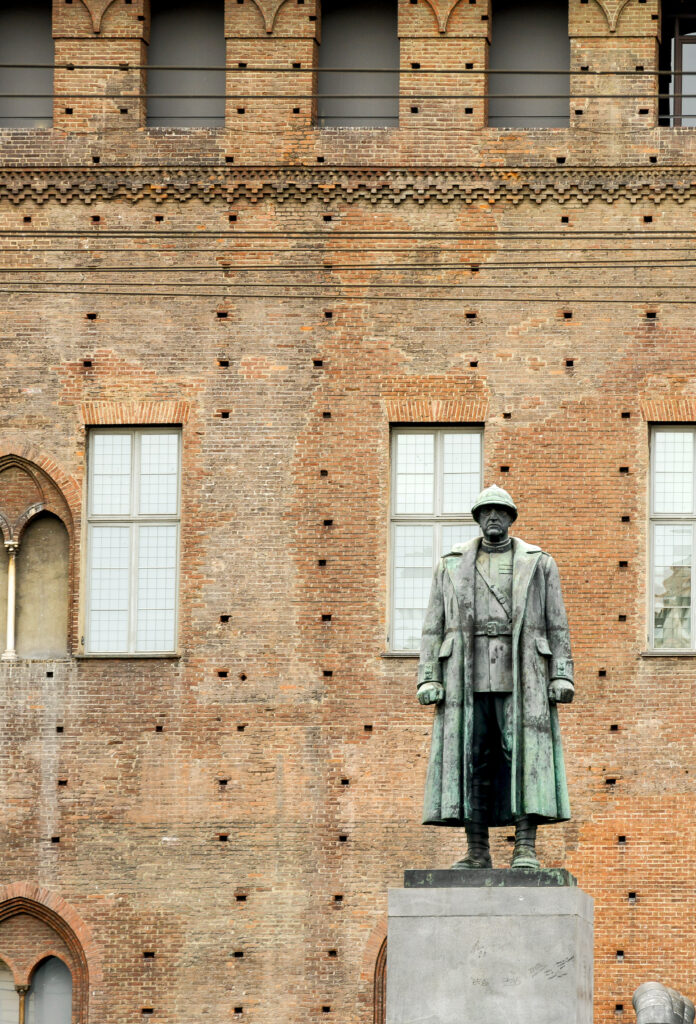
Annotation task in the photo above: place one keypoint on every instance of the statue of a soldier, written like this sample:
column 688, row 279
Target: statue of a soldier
column 495, row 658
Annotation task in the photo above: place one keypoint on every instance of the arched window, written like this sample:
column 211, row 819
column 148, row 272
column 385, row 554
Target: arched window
column 186, row 34
column 9, row 997
column 35, row 525
column 359, row 34
column 42, row 589
column 529, row 38
column 49, row 1000
column 26, row 93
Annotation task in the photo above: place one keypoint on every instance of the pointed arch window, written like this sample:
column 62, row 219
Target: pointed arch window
column 49, row 999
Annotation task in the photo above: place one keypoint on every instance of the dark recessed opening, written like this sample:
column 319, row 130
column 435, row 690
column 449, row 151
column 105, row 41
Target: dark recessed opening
column 240, row 897
column 87, row 363
column 224, row 618
column 26, row 220
column 565, row 220
column 55, row 839
column 338, row 898
column 567, row 314
column 621, row 840
column 224, row 363
column 323, row 472
column 333, row 952
column 320, row 159
column 345, row 782
column 95, row 159
column 623, row 564
column 367, row 728
column 327, row 217
column 473, row 364
column 328, row 522
column 317, row 363
column 159, row 218
column 504, row 469
column 633, row 897
column 222, row 314
column 625, row 415
column 326, row 415
column 326, row 618
column 613, row 727
column 296, row 110
column 570, row 363
column 507, row 415
column 92, row 316
column 62, row 782
column 647, row 219
column 625, row 519
column 471, row 316
column 225, row 414
column 49, row 675
column 223, row 782
column 229, row 159
column 328, row 673
column 159, row 728
column 653, row 159
column 232, row 218
column 622, row 618
column 241, row 728
column 222, row 673
column 328, row 314
column 623, row 469
column 223, row 837
column 560, row 159
column 602, row 673
column 59, row 728
column 414, row 110
column 148, row 954
column 343, row 839
column 321, row 562
column 238, row 954
column 610, row 782
column 651, row 314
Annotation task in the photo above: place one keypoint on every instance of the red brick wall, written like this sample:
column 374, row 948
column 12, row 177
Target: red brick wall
column 139, row 821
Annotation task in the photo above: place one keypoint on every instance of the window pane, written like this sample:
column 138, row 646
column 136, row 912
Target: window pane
column 9, row 998
column 108, row 589
column 688, row 85
column 415, row 467
column 111, row 474
column 159, row 472
column 413, row 572
column 461, row 472
column 672, row 586
column 459, row 533
column 156, row 588
column 26, row 93
column 673, row 453
column 50, row 995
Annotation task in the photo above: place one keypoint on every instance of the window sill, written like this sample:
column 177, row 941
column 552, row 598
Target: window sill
column 400, row 654
column 128, row 657
column 668, row 654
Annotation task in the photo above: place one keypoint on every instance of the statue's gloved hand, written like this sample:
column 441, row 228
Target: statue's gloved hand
column 430, row 693
column 561, row 691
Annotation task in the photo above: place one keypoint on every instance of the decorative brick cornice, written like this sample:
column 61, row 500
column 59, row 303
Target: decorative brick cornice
column 349, row 184
column 454, row 410
column 134, row 413
column 669, row 410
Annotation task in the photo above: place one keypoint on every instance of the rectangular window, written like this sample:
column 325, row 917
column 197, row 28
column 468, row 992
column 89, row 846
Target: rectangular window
column 436, row 477
column 678, row 54
column 186, row 57
column 133, row 541
column 26, row 64
column 529, row 41
column 359, row 64
column 673, row 521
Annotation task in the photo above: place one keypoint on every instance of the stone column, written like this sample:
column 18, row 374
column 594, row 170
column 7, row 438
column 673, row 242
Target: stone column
column 10, row 653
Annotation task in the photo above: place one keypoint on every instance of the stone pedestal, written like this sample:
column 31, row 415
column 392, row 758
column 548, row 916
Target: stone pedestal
column 483, row 947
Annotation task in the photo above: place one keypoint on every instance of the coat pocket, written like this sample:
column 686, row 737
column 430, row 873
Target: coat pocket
column 446, row 647
column 542, row 645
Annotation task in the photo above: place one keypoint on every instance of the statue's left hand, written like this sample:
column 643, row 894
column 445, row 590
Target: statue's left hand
column 430, row 693
column 561, row 691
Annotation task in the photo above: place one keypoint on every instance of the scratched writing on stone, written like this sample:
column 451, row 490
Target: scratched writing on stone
column 556, row 970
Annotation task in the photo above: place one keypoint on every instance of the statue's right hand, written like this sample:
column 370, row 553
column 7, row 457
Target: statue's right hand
column 430, row 693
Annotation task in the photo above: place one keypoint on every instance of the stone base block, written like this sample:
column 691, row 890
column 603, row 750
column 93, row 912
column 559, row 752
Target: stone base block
column 490, row 953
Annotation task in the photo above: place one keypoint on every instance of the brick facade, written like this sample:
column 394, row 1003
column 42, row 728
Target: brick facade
column 315, row 733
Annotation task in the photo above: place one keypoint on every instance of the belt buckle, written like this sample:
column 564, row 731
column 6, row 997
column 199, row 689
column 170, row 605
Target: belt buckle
column 491, row 629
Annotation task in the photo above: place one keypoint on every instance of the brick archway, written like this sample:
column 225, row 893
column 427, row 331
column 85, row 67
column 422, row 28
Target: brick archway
column 380, row 991
column 34, row 925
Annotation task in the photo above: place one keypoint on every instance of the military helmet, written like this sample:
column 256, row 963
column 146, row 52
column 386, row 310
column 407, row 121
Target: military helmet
column 494, row 496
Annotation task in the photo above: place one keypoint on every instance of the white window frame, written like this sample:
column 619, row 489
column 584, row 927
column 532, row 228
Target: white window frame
column 437, row 519
column 133, row 519
column 668, row 519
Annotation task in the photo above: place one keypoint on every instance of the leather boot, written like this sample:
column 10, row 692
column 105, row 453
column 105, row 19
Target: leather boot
column 524, row 855
column 478, row 854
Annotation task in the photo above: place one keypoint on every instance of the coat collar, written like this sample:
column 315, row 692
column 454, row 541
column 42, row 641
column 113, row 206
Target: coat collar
column 525, row 559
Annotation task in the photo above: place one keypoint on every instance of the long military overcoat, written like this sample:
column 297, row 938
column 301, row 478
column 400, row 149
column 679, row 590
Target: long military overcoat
column 536, row 782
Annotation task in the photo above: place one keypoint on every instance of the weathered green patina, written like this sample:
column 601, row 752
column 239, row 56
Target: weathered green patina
column 530, row 784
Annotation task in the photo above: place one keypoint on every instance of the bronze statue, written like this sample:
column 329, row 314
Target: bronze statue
column 495, row 658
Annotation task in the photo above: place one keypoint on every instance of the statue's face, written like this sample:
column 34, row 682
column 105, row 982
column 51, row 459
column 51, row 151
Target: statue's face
column 495, row 521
